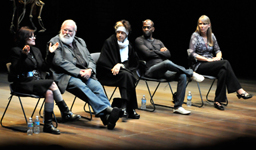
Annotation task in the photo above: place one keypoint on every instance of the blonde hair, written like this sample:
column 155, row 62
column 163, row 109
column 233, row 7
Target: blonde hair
column 206, row 19
column 124, row 23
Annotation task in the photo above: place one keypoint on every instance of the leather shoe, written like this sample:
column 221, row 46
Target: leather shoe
column 220, row 107
column 114, row 116
column 133, row 115
column 51, row 129
column 244, row 95
column 69, row 116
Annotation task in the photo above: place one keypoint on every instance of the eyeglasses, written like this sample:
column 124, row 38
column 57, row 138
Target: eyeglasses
column 32, row 37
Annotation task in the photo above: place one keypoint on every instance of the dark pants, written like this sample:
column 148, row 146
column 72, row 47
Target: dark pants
column 126, row 83
column 172, row 72
column 130, row 96
column 223, row 71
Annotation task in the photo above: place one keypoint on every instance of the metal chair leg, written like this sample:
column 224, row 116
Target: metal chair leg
column 23, row 110
column 84, row 110
column 72, row 104
column 112, row 93
column 40, row 114
column 35, row 108
column 10, row 99
column 202, row 101
column 209, row 93
column 90, row 111
column 172, row 94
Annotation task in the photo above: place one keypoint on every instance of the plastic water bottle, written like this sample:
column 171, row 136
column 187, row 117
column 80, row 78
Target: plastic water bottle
column 30, row 126
column 143, row 102
column 37, row 125
column 189, row 99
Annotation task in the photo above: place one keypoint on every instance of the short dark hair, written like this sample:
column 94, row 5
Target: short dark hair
column 22, row 36
column 153, row 24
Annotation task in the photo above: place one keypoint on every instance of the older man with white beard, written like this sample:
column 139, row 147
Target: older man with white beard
column 75, row 71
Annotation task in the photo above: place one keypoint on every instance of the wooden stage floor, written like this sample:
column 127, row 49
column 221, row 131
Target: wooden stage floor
column 204, row 128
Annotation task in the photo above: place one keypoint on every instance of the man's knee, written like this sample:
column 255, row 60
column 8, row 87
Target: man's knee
column 167, row 62
column 183, row 77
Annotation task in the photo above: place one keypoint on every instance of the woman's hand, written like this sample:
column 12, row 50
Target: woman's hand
column 26, row 49
column 54, row 47
column 115, row 70
column 214, row 59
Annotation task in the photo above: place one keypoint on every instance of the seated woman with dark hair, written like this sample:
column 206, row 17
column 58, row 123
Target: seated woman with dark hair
column 115, row 65
column 28, row 74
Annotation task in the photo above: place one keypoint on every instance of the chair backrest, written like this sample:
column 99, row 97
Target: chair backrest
column 95, row 56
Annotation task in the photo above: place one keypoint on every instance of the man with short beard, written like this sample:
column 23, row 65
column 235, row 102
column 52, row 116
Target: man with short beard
column 75, row 71
column 159, row 65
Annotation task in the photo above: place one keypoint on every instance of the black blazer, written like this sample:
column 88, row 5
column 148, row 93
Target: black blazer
column 22, row 63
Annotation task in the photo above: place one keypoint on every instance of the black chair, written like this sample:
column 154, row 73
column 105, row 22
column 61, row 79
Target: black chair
column 210, row 78
column 202, row 101
column 140, row 74
column 95, row 57
column 192, row 60
column 89, row 107
column 19, row 95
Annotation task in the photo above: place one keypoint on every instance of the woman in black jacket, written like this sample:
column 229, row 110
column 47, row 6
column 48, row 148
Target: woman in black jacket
column 28, row 74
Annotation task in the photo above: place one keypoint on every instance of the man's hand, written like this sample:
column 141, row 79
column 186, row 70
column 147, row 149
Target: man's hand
column 54, row 47
column 86, row 73
column 163, row 49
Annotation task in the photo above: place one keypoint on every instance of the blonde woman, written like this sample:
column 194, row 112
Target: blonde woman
column 204, row 49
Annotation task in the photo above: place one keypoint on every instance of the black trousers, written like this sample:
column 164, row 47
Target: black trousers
column 227, row 79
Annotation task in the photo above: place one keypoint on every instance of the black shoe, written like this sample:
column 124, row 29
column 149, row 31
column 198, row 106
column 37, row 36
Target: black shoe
column 104, row 119
column 48, row 127
column 51, row 129
column 220, row 107
column 66, row 115
column 69, row 116
column 133, row 115
column 114, row 116
column 244, row 95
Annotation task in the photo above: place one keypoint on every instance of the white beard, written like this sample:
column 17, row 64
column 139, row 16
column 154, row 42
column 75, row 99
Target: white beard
column 66, row 38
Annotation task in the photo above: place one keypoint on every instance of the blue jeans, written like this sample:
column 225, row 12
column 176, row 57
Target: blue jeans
column 90, row 91
column 172, row 72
